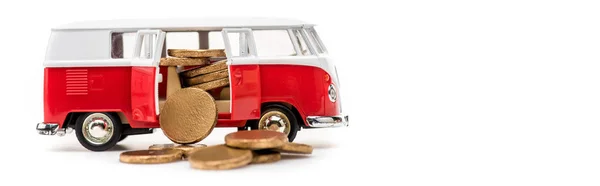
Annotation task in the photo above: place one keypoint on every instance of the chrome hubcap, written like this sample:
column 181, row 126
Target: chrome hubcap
column 275, row 121
column 98, row 128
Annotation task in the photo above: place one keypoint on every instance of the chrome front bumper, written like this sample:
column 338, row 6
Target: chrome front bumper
column 327, row 121
column 51, row 129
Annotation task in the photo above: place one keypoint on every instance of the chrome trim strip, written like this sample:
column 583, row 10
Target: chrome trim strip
column 327, row 121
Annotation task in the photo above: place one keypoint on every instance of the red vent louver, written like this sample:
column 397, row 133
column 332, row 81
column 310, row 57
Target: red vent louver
column 77, row 82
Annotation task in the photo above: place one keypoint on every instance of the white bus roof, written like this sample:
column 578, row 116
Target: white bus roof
column 182, row 24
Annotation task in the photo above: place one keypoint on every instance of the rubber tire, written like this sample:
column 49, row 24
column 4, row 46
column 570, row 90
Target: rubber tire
column 118, row 128
column 294, row 127
column 122, row 137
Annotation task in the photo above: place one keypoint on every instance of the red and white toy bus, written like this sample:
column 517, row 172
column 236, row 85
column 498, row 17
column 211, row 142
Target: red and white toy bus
column 103, row 80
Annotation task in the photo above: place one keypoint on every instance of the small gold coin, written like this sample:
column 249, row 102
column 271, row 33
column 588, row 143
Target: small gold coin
column 193, row 53
column 265, row 156
column 256, row 139
column 161, row 146
column 175, row 61
column 188, row 116
column 219, row 157
column 295, row 148
column 188, row 149
column 213, row 84
column 151, row 156
column 216, row 66
column 208, row 77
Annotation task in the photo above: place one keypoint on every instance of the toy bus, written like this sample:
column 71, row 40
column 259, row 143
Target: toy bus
column 102, row 79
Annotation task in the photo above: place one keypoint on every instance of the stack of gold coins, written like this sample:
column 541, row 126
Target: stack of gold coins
column 200, row 71
column 208, row 77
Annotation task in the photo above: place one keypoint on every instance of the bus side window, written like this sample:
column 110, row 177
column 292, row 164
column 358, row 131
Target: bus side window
column 301, row 40
column 116, row 45
column 122, row 45
column 273, row 43
column 316, row 41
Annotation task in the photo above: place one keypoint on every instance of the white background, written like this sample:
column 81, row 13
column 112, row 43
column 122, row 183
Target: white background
column 438, row 92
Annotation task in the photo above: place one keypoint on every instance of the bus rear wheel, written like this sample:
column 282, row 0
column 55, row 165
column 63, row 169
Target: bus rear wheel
column 276, row 118
column 98, row 131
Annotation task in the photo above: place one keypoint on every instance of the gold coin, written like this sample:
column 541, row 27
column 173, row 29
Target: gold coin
column 296, row 148
column 151, row 156
column 219, row 157
column 265, row 156
column 208, row 77
column 188, row 149
column 256, row 139
column 161, row 146
column 216, row 66
column 175, row 61
column 195, row 53
column 213, row 84
column 188, row 116
column 225, row 94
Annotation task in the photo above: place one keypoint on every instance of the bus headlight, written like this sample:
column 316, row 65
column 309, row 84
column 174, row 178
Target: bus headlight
column 332, row 93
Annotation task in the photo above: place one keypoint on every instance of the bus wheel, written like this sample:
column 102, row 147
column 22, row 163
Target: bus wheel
column 98, row 131
column 122, row 137
column 279, row 118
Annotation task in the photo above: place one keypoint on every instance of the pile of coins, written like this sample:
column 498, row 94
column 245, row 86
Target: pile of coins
column 190, row 113
column 201, row 72
column 240, row 149
column 207, row 77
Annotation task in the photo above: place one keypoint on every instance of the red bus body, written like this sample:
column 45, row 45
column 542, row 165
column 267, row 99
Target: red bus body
column 114, row 89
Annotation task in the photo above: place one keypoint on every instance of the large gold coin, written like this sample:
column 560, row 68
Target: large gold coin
column 265, row 156
column 188, row 149
column 256, row 139
column 219, row 157
column 151, row 156
column 188, row 116
column 295, row 148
